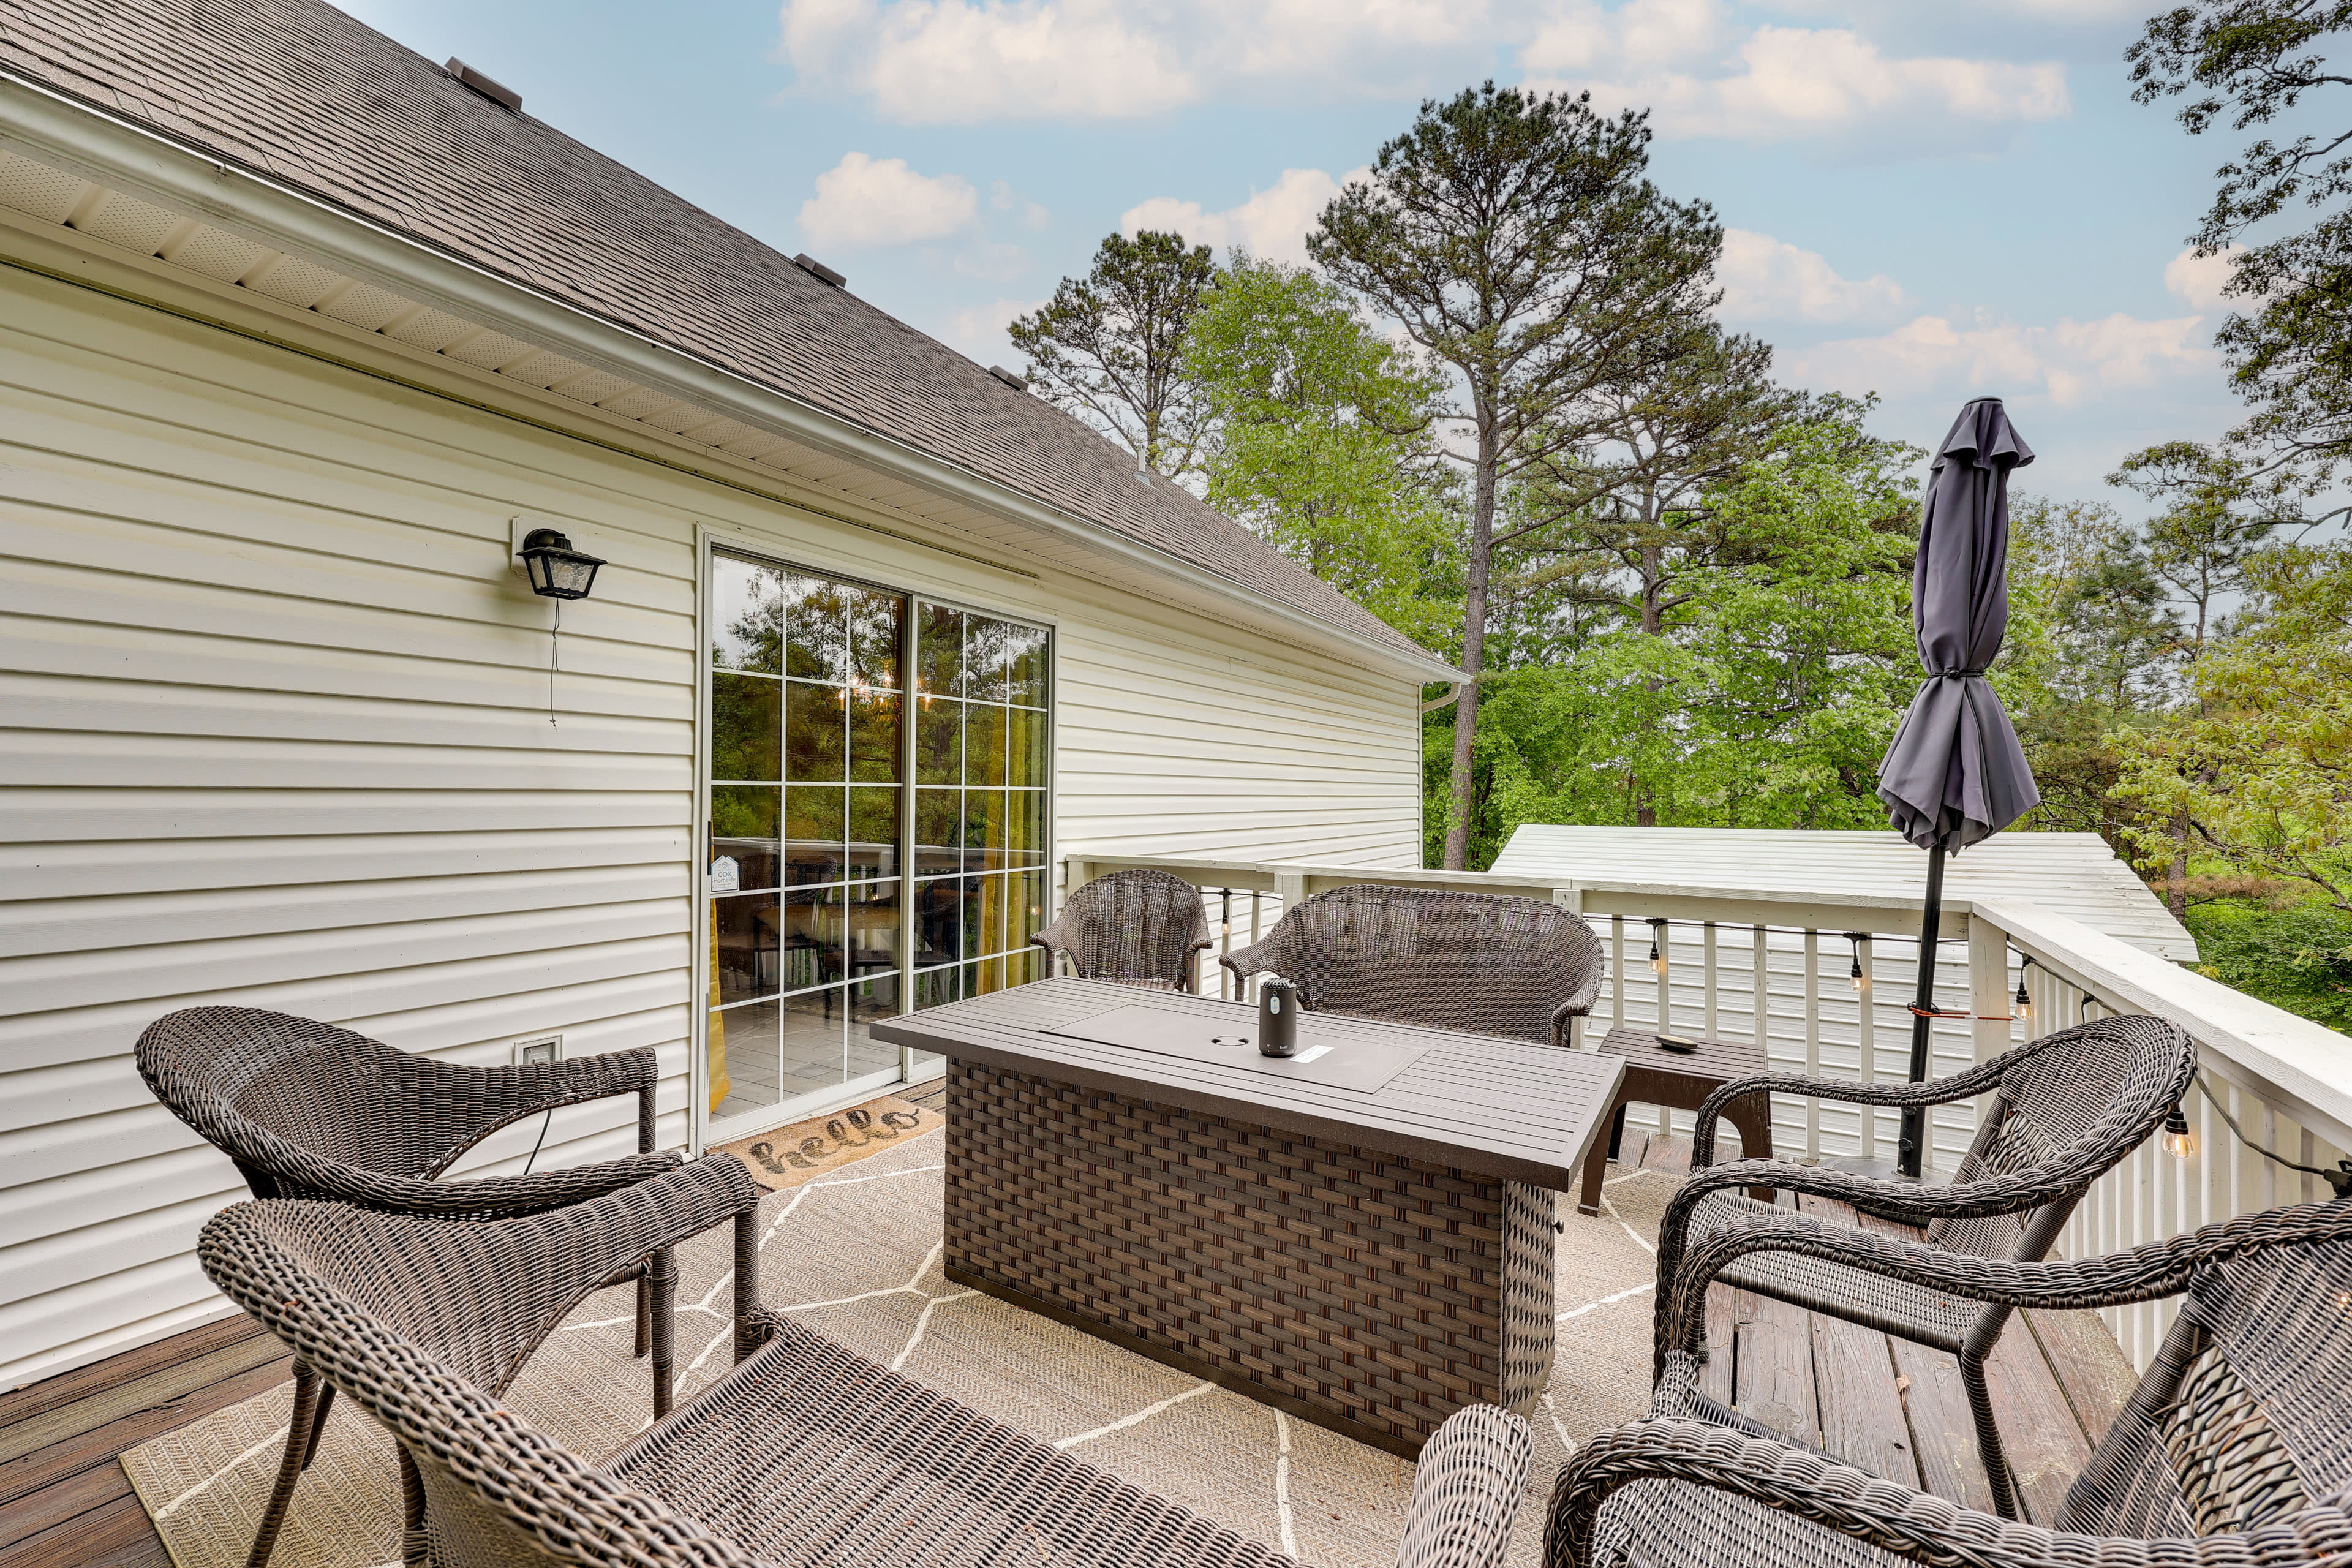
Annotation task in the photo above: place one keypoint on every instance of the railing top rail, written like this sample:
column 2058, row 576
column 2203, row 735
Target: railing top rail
column 1723, row 900
column 2305, row 1069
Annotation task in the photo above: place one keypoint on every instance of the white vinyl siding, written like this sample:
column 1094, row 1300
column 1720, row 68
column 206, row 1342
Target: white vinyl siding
column 276, row 733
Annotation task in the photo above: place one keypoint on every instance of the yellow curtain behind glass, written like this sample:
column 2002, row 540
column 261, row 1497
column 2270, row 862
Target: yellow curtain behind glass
column 718, row 1084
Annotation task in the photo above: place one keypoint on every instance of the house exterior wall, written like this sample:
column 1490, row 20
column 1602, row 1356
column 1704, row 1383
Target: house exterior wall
column 277, row 715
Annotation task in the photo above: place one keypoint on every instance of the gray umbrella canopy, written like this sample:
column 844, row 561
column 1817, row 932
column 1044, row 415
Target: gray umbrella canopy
column 1956, row 774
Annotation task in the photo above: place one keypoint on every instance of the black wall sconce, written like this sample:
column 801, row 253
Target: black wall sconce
column 557, row 570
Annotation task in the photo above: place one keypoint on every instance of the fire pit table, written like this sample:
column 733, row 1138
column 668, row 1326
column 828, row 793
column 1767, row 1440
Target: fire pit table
column 1360, row 1236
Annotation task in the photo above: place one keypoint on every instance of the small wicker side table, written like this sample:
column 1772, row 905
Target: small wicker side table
column 1681, row 1081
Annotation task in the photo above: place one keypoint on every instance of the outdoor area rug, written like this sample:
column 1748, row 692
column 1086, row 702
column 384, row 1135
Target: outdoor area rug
column 854, row 1252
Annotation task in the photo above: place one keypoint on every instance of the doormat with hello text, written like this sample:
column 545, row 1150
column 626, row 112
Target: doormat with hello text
column 788, row 1156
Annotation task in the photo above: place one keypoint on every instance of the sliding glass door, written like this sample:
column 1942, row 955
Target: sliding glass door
column 825, row 767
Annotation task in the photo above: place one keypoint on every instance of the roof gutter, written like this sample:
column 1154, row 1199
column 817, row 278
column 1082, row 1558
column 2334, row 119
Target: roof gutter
column 67, row 133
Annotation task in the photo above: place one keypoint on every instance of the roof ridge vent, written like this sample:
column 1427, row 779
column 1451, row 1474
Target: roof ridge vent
column 497, row 92
column 1012, row 379
column 816, row 269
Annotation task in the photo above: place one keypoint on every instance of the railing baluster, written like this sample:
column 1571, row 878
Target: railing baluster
column 1664, row 933
column 1866, row 1044
column 1812, row 1040
column 1616, row 972
column 1709, row 990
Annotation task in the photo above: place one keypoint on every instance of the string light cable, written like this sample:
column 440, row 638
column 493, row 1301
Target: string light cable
column 2339, row 1178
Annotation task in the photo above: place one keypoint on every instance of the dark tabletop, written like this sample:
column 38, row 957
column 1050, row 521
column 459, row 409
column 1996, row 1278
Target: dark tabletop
column 1724, row 1059
column 1496, row 1108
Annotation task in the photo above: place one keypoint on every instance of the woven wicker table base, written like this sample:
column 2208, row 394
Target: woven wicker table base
column 1370, row 1294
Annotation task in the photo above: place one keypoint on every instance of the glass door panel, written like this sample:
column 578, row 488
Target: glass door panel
column 877, row 842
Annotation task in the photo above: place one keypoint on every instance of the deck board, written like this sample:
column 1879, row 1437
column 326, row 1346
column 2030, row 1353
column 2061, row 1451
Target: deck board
column 64, row 1496
column 1862, row 1415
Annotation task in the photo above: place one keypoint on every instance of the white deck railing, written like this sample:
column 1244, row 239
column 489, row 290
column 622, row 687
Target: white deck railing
column 1775, row 968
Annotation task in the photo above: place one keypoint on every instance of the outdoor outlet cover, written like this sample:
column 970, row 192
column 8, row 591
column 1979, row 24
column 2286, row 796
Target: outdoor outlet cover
column 547, row 1048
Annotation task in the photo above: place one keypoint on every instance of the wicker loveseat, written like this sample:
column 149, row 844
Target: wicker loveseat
column 1485, row 963
column 2235, row 1449
column 804, row 1454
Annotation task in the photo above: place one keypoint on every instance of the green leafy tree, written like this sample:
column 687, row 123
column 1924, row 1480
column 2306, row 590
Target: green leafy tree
column 2297, row 956
column 2215, row 509
column 2247, row 63
column 1519, row 242
column 1109, row 347
column 1767, row 693
column 1641, row 529
column 1321, row 439
column 1656, row 445
column 2261, row 768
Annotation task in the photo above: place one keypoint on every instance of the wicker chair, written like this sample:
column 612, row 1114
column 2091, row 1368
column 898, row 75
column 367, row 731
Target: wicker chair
column 308, row 1109
column 2066, row 1109
column 804, row 1455
column 1138, row 927
column 1481, row 962
column 2236, row 1448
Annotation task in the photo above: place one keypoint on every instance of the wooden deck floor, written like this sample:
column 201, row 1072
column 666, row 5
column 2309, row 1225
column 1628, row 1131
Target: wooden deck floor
column 1892, row 1409
column 64, row 1499
column 1898, row 1410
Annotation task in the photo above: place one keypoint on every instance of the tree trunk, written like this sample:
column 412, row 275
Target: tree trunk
column 2176, row 882
column 1474, row 650
column 1654, row 624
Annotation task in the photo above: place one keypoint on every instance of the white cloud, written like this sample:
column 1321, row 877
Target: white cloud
column 980, row 331
column 932, row 61
column 1273, row 223
column 2197, row 280
column 1677, row 58
column 2069, row 364
column 949, row 62
column 864, row 200
column 991, row 261
column 1707, row 66
column 1769, row 280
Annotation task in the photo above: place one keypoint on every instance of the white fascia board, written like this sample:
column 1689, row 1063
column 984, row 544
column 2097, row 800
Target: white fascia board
column 64, row 133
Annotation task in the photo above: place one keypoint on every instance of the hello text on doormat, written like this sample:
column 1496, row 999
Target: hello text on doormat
column 788, row 1156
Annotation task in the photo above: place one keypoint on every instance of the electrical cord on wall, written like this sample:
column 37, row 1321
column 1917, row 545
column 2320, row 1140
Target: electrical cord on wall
column 554, row 633
column 543, row 1125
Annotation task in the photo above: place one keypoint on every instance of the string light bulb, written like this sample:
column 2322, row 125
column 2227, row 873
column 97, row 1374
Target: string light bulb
column 2179, row 1141
column 2023, row 1007
column 1657, row 959
column 1854, row 975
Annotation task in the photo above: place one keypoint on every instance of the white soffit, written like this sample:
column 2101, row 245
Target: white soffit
column 2072, row 874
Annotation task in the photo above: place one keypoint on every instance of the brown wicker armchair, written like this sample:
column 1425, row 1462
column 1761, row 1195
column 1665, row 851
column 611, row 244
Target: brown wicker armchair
column 2066, row 1109
column 1485, row 963
column 804, row 1455
column 2235, row 1449
column 309, row 1110
column 1138, row 927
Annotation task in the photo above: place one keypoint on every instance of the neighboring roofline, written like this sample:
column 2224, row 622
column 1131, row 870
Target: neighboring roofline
column 67, row 132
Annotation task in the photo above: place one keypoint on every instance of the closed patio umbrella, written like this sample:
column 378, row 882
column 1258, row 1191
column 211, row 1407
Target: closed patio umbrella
column 1955, row 774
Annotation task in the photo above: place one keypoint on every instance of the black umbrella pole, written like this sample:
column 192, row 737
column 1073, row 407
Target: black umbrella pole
column 1909, row 1151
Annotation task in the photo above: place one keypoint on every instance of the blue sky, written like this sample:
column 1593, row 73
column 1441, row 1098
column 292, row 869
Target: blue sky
column 1927, row 201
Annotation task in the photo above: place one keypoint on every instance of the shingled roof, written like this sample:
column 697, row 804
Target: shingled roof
column 300, row 93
